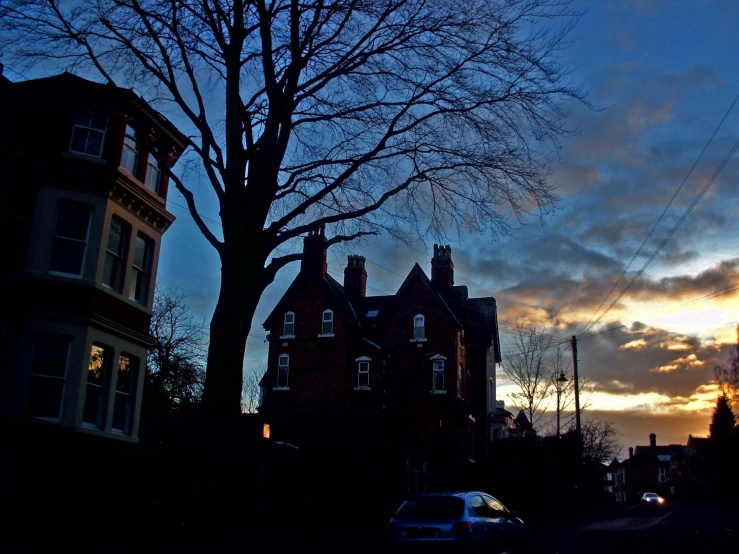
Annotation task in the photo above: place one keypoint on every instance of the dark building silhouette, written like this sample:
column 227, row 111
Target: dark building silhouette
column 82, row 214
column 410, row 375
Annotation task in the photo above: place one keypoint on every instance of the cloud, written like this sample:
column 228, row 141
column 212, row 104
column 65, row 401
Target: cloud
column 637, row 344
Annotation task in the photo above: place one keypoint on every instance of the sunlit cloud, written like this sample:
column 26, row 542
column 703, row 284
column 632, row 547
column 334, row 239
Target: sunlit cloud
column 634, row 345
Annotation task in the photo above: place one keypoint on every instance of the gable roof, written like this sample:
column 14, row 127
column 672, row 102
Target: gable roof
column 417, row 274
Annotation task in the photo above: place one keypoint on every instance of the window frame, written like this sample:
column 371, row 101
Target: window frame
column 37, row 337
column 54, row 237
column 143, row 274
column 129, row 147
column 662, row 475
column 324, row 321
column 130, row 396
column 363, row 368
column 120, row 257
column 438, row 366
column 104, row 386
column 419, row 336
column 285, row 323
column 280, row 370
column 75, row 125
column 152, row 156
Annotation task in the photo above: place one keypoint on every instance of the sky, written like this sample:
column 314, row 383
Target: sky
column 661, row 75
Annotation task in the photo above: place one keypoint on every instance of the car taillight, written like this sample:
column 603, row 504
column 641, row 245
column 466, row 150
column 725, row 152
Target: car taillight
column 461, row 528
column 661, row 500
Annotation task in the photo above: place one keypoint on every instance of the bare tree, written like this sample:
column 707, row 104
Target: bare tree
column 530, row 369
column 250, row 392
column 176, row 363
column 727, row 376
column 599, row 441
column 408, row 116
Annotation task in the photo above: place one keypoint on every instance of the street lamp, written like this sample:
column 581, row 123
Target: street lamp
column 560, row 381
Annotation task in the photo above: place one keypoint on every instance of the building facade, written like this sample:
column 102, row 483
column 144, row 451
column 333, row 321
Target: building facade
column 411, row 373
column 82, row 213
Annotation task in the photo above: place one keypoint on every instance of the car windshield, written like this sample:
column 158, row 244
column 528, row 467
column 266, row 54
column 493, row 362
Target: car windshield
column 651, row 495
column 431, row 508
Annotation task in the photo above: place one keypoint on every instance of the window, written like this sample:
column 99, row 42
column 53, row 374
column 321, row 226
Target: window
column 152, row 173
column 142, row 269
column 130, row 153
column 372, row 313
column 437, row 381
column 460, row 381
column 95, row 388
column 128, row 367
column 283, row 368
column 363, row 374
column 88, row 133
column 496, row 507
column 115, row 254
column 419, row 327
column 69, row 244
column 288, row 329
column 48, row 373
column 327, row 324
column 480, row 508
column 662, row 474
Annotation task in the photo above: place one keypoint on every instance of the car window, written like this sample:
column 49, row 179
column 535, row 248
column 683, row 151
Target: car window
column 480, row 508
column 431, row 508
column 498, row 509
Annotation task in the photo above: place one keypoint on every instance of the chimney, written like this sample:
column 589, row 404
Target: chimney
column 631, row 451
column 442, row 267
column 355, row 277
column 314, row 253
column 652, row 441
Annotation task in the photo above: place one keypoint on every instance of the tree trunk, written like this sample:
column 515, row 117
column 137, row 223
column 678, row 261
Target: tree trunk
column 240, row 292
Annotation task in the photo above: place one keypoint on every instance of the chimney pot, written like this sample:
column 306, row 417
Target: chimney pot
column 652, row 440
column 355, row 277
column 442, row 267
column 314, row 253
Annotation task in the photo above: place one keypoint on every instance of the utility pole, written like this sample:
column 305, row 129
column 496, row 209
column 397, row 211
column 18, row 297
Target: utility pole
column 577, row 388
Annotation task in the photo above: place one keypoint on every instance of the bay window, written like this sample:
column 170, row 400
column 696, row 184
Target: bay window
column 71, row 233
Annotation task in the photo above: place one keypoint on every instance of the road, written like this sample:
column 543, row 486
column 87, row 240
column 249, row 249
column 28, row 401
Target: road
column 674, row 529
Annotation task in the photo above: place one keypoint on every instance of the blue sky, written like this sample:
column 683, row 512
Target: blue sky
column 662, row 75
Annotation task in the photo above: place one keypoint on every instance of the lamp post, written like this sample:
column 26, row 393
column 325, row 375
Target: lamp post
column 559, row 383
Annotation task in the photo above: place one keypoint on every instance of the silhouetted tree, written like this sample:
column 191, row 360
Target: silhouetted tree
column 723, row 420
column 530, row 371
column 727, row 375
column 599, row 441
column 176, row 363
column 408, row 116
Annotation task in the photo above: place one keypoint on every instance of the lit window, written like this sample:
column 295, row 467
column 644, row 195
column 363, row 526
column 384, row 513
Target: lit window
column 327, row 326
column 125, row 384
column 71, row 232
column 283, row 368
column 152, row 173
column 88, row 133
column 115, row 254
column 419, row 327
column 142, row 269
column 48, row 373
column 95, row 389
column 437, row 381
column 363, row 374
column 130, row 153
column 288, row 329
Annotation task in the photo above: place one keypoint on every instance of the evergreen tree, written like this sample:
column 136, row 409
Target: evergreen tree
column 723, row 421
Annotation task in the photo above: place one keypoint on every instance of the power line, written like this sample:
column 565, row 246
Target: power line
column 601, row 332
column 715, row 294
column 690, row 171
column 692, row 205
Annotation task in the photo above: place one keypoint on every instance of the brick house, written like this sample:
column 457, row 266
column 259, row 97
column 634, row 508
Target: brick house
column 411, row 375
column 649, row 468
column 82, row 213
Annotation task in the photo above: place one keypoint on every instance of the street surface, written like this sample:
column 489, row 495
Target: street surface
column 674, row 528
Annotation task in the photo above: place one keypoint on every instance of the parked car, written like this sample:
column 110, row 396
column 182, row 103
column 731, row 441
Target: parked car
column 652, row 498
column 460, row 522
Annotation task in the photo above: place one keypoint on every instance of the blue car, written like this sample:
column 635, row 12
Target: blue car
column 460, row 522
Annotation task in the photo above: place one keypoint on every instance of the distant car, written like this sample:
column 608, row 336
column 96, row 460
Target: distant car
column 460, row 522
column 652, row 498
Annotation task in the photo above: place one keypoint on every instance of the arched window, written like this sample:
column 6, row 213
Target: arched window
column 419, row 327
column 327, row 323
column 283, row 368
column 288, row 328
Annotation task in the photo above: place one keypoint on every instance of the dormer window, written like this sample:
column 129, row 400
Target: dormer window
column 130, row 153
column 288, row 327
column 419, row 327
column 153, row 173
column 88, row 133
column 327, row 323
